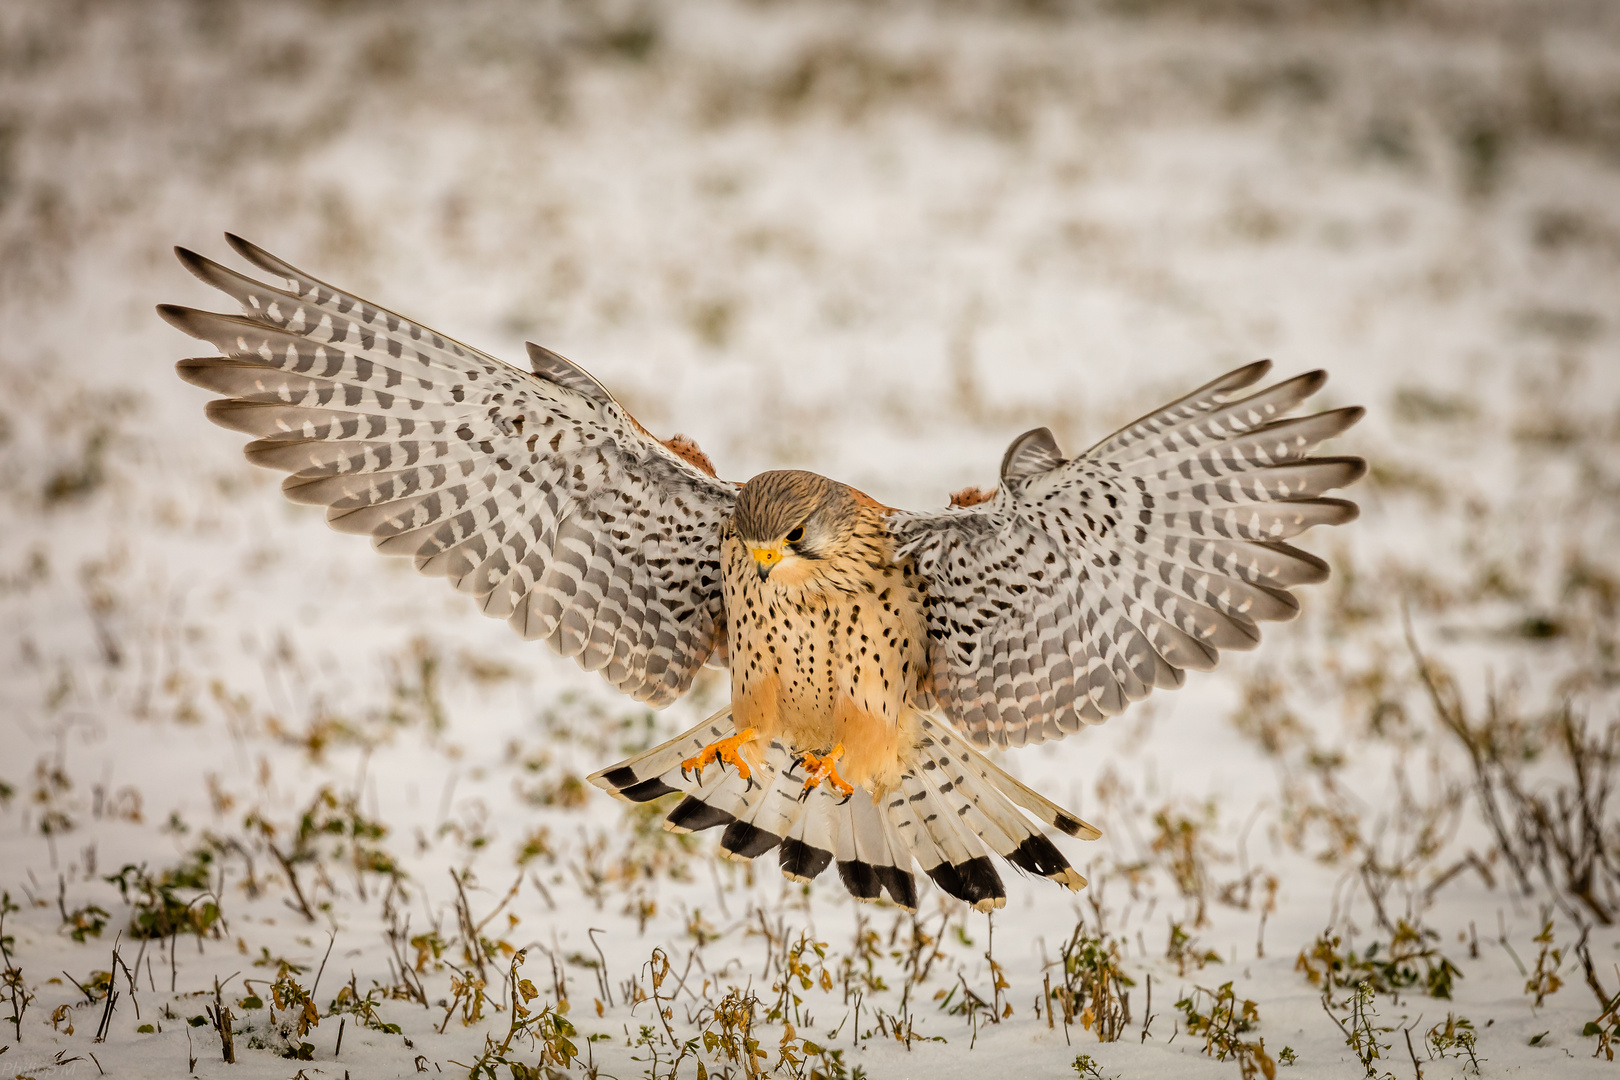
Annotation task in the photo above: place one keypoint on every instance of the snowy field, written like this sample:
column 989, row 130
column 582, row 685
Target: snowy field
column 250, row 767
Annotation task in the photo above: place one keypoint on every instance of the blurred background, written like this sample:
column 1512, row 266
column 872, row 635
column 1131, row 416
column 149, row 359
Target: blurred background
column 877, row 240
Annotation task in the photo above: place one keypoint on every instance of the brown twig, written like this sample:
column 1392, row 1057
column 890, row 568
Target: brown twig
column 320, row 970
column 129, row 976
column 545, row 893
column 407, row 974
column 90, row 999
column 510, row 893
column 607, row 990
column 106, row 1013
column 292, row 879
column 469, row 933
column 1407, row 1031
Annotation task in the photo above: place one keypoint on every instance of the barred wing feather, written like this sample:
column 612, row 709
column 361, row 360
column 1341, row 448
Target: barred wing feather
column 1085, row 583
column 536, row 494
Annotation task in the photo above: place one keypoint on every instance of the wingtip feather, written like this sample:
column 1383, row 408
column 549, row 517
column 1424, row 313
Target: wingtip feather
column 181, row 318
column 197, row 265
column 194, row 370
column 1249, row 374
column 250, row 251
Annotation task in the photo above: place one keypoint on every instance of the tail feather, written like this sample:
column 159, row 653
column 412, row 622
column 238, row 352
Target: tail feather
column 855, row 872
column 964, row 871
column 987, row 809
column 1043, row 808
column 808, row 850
column 987, row 821
column 874, row 861
column 950, row 811
column 898, row 880
column 771, row 810
column 909, row 835
column 642, row 778
column 782, row 805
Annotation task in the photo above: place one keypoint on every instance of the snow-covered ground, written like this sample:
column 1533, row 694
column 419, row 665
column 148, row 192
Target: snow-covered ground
column 877, row 241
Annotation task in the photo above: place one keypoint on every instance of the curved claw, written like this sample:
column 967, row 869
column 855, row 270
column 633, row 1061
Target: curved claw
column 725, row 752
column 822, row 768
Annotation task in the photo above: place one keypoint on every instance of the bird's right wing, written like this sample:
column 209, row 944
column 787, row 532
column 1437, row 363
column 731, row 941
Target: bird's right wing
column 537, row 494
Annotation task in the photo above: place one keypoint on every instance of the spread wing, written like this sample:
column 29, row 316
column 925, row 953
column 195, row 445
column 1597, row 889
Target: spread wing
column 1084, row 583
column 537, row 494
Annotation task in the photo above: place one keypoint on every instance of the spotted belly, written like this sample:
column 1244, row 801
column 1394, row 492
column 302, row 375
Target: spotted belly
column 819, row 667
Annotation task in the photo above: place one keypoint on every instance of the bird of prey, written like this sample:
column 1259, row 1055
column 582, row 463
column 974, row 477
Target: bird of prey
column 874, row 653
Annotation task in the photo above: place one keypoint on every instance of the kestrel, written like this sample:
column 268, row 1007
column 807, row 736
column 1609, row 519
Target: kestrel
column 874, row 653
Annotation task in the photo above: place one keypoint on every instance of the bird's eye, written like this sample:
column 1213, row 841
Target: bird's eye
column 796, row 535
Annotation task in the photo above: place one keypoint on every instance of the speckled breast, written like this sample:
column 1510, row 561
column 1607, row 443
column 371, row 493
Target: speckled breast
column 829, row 652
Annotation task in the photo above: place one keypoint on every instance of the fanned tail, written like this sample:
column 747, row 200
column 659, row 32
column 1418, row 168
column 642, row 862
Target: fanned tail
column 951, row 811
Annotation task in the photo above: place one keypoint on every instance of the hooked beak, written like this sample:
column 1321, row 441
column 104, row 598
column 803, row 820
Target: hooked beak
column 765, row 560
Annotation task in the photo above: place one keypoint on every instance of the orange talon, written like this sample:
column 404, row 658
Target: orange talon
column 820, row 767
column 724, row 751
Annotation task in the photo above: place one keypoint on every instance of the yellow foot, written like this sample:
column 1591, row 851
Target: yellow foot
column 819, row 767
column 724, row 751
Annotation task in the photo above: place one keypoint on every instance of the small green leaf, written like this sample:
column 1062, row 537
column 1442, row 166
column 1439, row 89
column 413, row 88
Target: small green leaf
column 1535, row 1040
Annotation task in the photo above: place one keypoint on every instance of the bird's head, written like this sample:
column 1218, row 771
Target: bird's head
column 790, row 520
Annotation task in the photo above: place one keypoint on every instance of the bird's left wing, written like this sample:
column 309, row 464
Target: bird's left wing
column 537, row 494
column 1082, row 584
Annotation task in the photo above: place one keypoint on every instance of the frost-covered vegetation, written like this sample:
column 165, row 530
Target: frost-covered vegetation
column 259, row 784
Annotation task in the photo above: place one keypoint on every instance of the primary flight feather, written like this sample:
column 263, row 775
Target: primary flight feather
column 873, row 652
